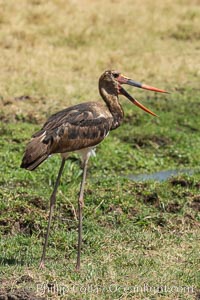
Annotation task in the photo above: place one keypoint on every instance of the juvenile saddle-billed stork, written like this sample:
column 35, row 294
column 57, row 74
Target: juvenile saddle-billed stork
column 80, row 128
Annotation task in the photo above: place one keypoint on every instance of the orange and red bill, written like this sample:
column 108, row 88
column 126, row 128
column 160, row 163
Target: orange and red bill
column 124, row 80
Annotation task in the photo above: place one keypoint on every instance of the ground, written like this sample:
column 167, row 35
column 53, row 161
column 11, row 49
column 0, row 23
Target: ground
column 141, row 239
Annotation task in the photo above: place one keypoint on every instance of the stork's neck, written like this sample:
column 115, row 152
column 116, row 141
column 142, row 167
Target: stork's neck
column 115, row 108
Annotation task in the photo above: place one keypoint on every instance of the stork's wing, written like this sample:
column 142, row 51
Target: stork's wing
column 80, row 126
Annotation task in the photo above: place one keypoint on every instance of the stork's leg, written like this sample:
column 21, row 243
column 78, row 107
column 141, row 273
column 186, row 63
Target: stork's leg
column 52, row 204
column 80, row 210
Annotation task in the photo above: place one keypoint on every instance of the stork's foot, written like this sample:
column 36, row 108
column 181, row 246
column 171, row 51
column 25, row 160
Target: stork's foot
column 41, row 265
column 77, row 268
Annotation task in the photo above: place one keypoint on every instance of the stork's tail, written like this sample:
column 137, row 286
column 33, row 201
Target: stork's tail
column 36, row 152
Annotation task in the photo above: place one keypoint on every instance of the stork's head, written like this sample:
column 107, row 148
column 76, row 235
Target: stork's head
column 111, row 83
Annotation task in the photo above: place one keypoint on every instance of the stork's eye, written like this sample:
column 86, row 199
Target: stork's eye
column 115, row 75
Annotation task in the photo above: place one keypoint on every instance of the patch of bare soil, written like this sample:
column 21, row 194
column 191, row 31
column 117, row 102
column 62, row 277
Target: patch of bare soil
column 151, row 199
column 22, row 109
column 19, row 294
column 195, row 205
column 180, row 181
column 147, row 141
column 173, row 207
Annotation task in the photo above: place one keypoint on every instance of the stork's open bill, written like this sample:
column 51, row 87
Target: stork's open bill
column 80, row 128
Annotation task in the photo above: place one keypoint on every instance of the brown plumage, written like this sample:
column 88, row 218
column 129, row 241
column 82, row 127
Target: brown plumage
column 80, row 128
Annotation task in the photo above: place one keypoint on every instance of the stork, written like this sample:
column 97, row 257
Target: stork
column 80, row 128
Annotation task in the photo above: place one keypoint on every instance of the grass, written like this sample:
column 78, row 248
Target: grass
column 141, row 239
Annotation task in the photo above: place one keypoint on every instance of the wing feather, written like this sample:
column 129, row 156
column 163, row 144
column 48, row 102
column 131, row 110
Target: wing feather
column 80, row 126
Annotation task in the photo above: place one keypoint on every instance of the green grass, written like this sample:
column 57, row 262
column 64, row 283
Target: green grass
column 140, row 239
column 135, row 233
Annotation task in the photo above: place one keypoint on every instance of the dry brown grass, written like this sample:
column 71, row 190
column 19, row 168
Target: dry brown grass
column 57, row 49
